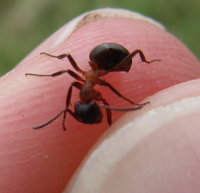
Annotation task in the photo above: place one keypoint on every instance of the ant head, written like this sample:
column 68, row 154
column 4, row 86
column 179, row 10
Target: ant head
column 109, row 57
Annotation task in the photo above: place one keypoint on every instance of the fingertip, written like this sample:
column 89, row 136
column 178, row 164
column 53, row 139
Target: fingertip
column 35, row 100
column 148, row 150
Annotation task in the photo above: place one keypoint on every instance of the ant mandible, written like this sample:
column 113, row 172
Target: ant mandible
column 104, row 58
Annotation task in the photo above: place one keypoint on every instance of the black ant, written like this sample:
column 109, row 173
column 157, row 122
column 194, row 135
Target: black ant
column 104, row 58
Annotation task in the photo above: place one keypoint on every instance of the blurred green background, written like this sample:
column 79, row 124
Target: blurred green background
column 25, row 23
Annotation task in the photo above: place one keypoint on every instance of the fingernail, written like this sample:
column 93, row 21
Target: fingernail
column 97, row 14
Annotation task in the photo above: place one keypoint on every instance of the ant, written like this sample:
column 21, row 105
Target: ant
column 104, row 58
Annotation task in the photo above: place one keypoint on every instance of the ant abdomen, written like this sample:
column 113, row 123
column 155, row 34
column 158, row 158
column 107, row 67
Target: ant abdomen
column 88, row 112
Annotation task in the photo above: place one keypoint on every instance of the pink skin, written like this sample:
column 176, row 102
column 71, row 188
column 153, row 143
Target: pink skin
column 152, row 150
column 44, row 160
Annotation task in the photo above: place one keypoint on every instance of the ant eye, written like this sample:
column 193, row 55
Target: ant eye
column 108, row 55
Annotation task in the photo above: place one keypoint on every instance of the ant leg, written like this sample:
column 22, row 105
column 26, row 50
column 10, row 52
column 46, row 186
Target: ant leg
column 128, row 58
column 68, row 99
column 50, row 121
column 70, row 72
column 108, row 111
column 70, row 58
column 105, row 83
column 134, row 108
column 64, row 112
column 142, row 56
column 76, row 84
column 54, row 118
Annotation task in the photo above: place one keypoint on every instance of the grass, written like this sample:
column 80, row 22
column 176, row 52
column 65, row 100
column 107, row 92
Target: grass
column 24, row 24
